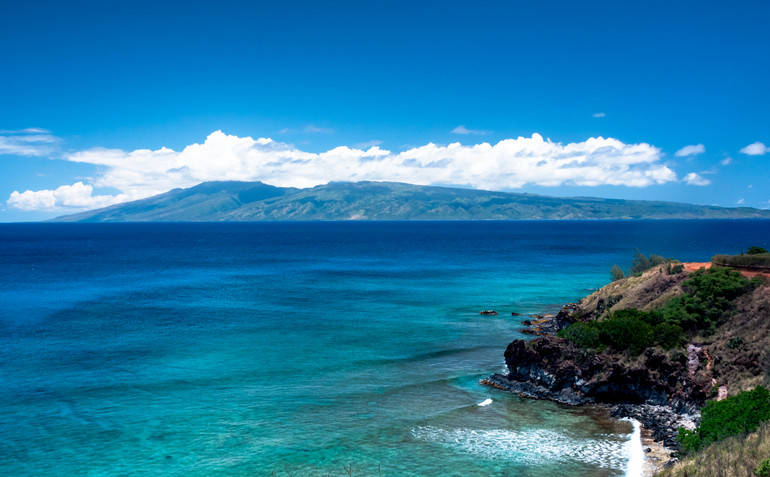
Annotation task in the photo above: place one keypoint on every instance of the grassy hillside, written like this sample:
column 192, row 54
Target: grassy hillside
column 738, row 456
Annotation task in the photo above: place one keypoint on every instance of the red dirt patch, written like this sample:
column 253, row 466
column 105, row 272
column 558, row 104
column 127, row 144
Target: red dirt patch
column 692, row 266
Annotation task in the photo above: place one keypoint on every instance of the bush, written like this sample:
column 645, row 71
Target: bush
column 735, row 343
column 756, row 250
column 763, row 469
column 757, row 260
column 730, row 417
column 585, row 335
column 675, row 268
column 629, row 329
column 626, row 331
column 668, row 336
column 708, row 300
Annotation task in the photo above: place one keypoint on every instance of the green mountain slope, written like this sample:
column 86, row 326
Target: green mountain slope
column 253, row 201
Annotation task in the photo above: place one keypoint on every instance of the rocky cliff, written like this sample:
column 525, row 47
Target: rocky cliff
column 662, row 389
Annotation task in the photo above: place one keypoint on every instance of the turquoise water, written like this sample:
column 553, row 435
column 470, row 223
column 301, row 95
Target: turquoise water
column 301, row 349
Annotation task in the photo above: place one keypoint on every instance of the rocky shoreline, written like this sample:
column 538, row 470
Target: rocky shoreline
column 660, row 392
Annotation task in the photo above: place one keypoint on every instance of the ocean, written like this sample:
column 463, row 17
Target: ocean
column 304, row 349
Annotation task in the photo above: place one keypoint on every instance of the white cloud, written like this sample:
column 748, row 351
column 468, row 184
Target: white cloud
column 598, row 115
column 315, row 129
column 27, row 142
column 367, row 144
column 509, row 164
column 695, row 179
column 726, row 161
column 756, row 149
column 77, row 195
column 740, row 201
column 463, row 130
column 691, row 150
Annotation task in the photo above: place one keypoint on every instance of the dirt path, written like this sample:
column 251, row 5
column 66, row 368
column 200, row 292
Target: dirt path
column 692, row 266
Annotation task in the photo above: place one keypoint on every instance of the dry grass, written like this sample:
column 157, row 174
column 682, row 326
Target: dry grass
column 650, row 291
column 745, row 364
column 733, row 457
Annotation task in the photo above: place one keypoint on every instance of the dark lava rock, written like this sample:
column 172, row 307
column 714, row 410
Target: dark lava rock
column 652, row 389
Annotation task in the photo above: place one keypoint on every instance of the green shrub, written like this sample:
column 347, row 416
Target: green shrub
column 735, row 343
column 757, row 260
column 668, row 336
column 730, row 417
column 756, row 250
column 763, row 469
column 708, row 300
column 585, row 335
column 675, row 268
column 626, row 330
column 623, row 330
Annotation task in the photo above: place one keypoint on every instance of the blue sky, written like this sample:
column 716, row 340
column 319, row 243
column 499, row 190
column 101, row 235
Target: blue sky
column 109, row 101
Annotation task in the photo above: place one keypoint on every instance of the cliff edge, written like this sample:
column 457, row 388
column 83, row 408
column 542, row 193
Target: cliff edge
column 664, row 388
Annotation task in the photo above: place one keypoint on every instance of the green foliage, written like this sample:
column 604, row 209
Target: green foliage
column 730, row 417
column 756, row 250
column 735, row 343
column 708, row 300
column 756, row 260
column 763, row 469
column 674, row 268
column 668, row 335
column 626, row 330
column 642, row 263
column 616, row 273
column 585, row 335
column 630, row 329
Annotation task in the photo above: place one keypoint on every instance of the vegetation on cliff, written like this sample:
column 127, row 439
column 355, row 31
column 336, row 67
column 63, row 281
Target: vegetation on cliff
column 732, row 416
column 756, row 258
column 666, row 337
column 707, row 302
column 743, row 455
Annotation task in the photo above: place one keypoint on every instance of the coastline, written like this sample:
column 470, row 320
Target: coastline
column 659, row 422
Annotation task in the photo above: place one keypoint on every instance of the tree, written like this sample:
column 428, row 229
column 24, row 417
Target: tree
column 616, row 272
column 756, row 250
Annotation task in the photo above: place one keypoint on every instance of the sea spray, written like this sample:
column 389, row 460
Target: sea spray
column 635, row 451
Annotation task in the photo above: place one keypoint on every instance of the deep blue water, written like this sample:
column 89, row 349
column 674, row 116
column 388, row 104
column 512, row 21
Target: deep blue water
column 248, row 349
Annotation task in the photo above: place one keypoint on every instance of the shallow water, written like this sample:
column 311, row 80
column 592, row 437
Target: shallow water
column 303, row 348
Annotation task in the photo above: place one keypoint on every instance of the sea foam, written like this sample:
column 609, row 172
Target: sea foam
column 532, row 446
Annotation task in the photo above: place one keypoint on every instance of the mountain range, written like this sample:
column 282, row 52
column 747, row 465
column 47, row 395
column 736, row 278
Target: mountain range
column 256, row 201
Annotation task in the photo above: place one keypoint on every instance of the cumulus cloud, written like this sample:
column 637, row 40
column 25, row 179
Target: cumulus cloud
column 695, row 179
column 509, row 164
column 77, row 195
column 726, row 161
column 27, row 142
column 691, row 150
column 756, row 149
column 461, row 129
column 598, row 115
